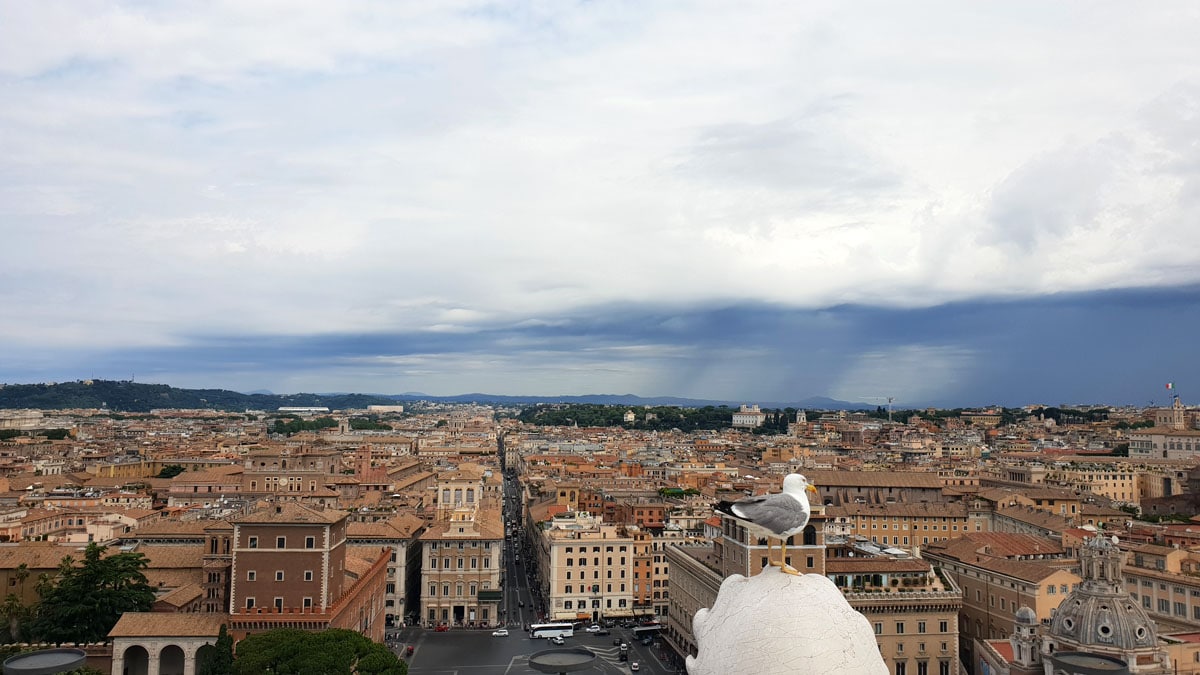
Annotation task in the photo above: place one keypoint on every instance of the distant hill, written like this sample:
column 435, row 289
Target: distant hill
column 125, row 396
column 812, row 402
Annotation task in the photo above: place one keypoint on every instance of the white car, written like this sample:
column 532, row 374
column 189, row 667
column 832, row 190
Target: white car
column 503, row 632
column 592, row 629
column 633, row 665
column 557, row 639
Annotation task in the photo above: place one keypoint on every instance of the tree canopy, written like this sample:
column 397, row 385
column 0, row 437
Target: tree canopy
column 84, row 602
column 288, row 651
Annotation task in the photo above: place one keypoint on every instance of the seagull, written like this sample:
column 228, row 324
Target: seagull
column 775, row 516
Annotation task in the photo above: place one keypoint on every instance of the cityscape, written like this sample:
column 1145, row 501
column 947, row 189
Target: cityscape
column 469, row 337
column 473, row 536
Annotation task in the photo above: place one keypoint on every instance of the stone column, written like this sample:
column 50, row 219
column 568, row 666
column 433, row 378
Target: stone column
column 155, row 657
column 189, row 661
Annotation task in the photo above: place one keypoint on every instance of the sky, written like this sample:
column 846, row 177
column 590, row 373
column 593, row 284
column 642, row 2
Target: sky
column 945, row 203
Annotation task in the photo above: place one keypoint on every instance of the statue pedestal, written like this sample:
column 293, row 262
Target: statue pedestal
column 776, row 623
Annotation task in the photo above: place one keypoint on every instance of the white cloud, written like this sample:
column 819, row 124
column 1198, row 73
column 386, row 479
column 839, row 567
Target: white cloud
column 277, row 167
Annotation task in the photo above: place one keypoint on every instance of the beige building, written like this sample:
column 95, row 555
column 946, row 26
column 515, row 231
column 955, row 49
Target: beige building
column 916, row 628
column 588, row 567
column 906, row 525
column 999, row 573
column 462, row 563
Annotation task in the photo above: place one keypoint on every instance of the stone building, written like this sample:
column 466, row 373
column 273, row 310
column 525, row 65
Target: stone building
column 1097, row 628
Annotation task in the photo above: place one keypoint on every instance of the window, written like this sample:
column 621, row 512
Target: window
column 249, row 603
column 943, row 626
column 278, row 575
column 899, row 628
column 310, row 542
column 307, row 603
column 278, row 603
column 280, row 542
column 253, row 543
column 920, row 626
column 251, row 575
column 901, row 667
column 879, row 629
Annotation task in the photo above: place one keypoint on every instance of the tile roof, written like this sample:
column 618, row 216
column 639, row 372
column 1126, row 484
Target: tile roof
column 168, row 624
column 290, row 512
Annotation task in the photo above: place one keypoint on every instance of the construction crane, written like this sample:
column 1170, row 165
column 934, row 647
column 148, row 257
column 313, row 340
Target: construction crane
column 889, row 400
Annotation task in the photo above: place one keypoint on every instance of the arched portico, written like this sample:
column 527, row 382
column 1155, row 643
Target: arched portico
column 150, row 643
column 156, row 656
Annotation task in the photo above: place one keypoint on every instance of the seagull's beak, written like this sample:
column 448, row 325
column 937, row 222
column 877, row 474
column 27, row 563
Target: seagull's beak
column 811, row 488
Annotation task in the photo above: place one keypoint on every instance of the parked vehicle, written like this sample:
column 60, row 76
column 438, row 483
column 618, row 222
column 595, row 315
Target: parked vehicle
column 408, row 651
column 441, row 628
column 592, row 629
column 502, row 632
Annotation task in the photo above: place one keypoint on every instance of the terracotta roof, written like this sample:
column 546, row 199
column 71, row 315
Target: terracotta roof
column 291, row 512
column 877, row 564
column 168, row 624
column 898, row 479
column 172, row 557
column 921, row 510
column 182, row 595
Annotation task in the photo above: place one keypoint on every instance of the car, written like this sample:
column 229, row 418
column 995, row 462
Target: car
column 502, row 632
column 592, row 629
column 624, row 647
column 441, row 628
column 602, row 632
column 633, row 665
column 647, row 641
column 616, row 641
column 521, row 603
column 623, row 656
column 557, row 639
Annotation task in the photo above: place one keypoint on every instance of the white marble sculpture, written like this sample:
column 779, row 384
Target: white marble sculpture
column 780, row 624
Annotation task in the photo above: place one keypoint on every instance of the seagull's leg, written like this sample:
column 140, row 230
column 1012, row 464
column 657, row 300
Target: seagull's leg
column 783, row 563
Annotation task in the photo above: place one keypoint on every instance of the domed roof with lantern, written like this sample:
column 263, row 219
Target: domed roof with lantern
column 1098, row 616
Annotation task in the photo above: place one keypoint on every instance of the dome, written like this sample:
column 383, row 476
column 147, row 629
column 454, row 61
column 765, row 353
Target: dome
column 1027, row 616
column 1098, row 614
column 1112, row 622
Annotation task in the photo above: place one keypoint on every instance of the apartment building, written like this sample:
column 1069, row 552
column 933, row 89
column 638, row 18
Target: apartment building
column 403, row 570
column 913, row 611
column 875, row 487
column 462, row 564
column 907, row 525
column 1164, row 580
column 588, row 568
column 999, row 573
column 289, row 471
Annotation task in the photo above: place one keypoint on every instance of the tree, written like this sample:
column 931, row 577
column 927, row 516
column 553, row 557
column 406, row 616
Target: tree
column 14, row 610
column 83, row 603
column 216, row 659
column 170, row 471
column 288, row 651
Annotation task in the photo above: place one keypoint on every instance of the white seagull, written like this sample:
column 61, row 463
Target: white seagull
column 775, row 516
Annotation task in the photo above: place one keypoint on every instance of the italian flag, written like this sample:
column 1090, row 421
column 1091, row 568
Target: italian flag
column 1170, row 385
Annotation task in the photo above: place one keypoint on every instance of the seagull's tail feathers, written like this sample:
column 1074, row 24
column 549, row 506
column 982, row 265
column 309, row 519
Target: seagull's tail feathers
column 726, row 508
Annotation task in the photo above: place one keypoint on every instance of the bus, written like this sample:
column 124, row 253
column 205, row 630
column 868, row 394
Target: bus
column 647, row 631
column 549, row 630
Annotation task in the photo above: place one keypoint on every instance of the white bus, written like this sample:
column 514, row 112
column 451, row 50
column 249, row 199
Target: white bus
column 549, row 630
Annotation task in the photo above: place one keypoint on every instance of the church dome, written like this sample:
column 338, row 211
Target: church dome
column 1098, row 614
column 1027, row 616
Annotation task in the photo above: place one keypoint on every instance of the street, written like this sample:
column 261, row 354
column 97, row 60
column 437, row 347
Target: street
column 478, row 651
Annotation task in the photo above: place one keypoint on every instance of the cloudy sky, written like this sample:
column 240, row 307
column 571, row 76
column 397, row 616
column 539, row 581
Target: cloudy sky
column 942, row 202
